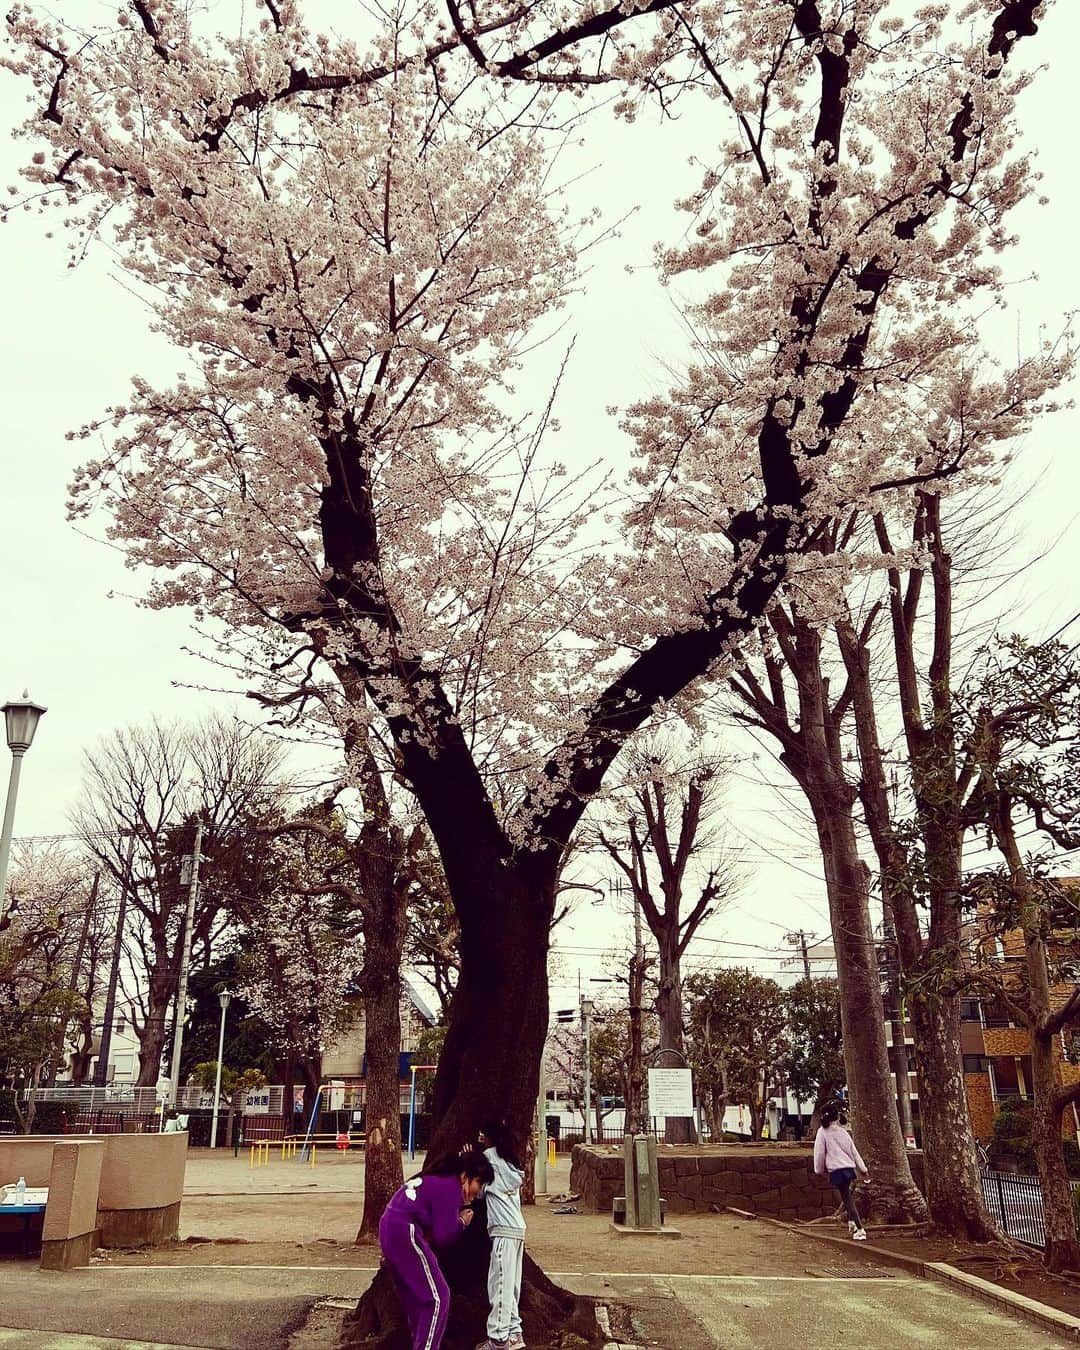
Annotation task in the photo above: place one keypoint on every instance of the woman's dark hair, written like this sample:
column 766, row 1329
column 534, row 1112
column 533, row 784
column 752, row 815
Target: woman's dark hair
column 832, row 1111
column 472, row 1162
column 498, row 1135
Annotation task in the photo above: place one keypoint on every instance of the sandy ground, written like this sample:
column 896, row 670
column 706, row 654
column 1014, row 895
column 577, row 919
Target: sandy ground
column 283, row 1214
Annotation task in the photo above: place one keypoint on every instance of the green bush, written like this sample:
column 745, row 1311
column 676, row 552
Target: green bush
column 49, row 1117
column 9, row 1121
column 1010, row 1143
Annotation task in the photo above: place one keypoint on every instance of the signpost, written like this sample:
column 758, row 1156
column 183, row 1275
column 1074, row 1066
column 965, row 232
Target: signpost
column 671, row 1092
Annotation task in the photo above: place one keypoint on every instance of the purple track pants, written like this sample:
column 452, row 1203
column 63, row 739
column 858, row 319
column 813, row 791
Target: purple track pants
column 419, row 1281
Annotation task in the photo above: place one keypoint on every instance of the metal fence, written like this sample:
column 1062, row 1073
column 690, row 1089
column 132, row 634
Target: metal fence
column 1017, row 1204
column 606, row 1135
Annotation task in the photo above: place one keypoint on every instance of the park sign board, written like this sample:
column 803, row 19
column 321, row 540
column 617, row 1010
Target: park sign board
column 257, row 1102
column 671, row 1092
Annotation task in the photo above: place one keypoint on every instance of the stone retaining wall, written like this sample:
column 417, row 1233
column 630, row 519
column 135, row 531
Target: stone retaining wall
column 765, row 1180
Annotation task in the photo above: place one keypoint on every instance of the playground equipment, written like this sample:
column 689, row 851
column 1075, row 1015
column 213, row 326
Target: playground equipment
column 414, row 1069
column 260, row 1154
column 551, row 1151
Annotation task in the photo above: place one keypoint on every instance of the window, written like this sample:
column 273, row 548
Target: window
column 976, row 1063
column 969, row 1010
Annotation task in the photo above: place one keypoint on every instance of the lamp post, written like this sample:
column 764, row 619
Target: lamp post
column 191, row 868
column 223, row 999
column 21, row 717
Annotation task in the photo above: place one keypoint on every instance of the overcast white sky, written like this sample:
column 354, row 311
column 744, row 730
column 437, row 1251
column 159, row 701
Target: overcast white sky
column 71, row 340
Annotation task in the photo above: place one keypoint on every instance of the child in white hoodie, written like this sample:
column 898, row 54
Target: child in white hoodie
column 506, row 1227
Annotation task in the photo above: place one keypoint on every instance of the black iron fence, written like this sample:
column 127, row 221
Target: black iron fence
column 567, row 1138
column 1016, row 1202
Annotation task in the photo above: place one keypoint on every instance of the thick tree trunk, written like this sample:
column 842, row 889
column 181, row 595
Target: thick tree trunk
column 677, row 1129
column 1062, row 1250
column 490, row 1064
column 154, row 1033
column 311, row 1076
column 498, row 1019
column 953, row 1189
column 892, row 1195
column 381, row 988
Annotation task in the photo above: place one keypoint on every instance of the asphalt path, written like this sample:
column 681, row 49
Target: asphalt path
column 244, row 1308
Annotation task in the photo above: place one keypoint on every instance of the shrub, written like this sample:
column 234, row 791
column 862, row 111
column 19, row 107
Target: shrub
column 1010, row 1143
column 51, row 1117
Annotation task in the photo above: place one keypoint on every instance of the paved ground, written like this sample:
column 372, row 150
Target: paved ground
column 238, row 1308
column 726, row 1285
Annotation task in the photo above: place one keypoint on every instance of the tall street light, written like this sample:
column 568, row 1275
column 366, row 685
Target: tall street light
column 223, row 999
column 21, row 717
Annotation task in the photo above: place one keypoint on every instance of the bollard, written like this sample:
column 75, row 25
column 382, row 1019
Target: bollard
column 630, row 1182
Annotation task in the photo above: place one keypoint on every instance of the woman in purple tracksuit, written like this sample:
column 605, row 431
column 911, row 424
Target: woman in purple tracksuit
column 429, row 1212
column 835, row 1153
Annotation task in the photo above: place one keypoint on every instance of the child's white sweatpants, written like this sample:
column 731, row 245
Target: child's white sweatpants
column 504, row 1287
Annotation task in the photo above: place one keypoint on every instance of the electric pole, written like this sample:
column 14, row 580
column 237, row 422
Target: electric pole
column 800, row 940
column 895, row 1010
column 634, row 1120
column 185, row 962
column 586, row 1022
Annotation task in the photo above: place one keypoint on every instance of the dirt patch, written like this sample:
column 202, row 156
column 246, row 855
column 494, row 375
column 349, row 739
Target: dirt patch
column 711, row 1244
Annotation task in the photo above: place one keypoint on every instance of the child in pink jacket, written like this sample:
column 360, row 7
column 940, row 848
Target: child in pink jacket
column 835, row 1154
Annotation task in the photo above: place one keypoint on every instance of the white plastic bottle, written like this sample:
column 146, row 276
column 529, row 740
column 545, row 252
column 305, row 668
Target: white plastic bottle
column 20, row 1191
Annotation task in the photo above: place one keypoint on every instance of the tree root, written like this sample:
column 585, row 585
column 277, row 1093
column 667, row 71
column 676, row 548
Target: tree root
column 553, row 1318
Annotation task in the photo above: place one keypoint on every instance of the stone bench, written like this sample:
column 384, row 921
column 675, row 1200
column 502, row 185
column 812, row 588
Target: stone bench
column 119, row 1190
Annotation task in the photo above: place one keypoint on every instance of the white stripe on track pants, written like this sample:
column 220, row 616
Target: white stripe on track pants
column 504, row 1287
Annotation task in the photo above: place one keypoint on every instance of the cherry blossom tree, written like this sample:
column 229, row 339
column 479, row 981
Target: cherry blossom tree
column 46, row 962
column 352, row 240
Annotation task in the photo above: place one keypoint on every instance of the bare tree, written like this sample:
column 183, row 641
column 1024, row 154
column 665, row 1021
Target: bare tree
column 156, row 780
column 792, row 699
column 676, row 835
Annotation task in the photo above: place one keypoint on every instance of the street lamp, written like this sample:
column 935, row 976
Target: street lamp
column 223, row 998
column 21, row 717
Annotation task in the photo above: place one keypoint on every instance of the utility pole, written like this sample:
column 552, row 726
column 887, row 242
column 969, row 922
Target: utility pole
column 101, row 1068
column 185, row 963
column 800, row 939
column 894, row 1009
column 540, row 1176
column 586, row 1021
column 634, row 1121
